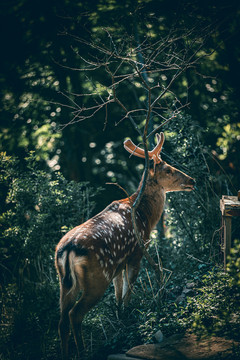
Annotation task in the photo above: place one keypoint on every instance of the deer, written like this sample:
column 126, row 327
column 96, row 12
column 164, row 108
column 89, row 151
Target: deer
column 105, row 248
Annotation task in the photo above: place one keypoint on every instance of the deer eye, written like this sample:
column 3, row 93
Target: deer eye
column 168, row 171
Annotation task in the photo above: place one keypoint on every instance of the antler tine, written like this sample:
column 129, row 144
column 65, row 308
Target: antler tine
column 155, row 153
column 133, row 149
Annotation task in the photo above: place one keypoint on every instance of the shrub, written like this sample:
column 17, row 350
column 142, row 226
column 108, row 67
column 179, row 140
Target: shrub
column 37, row 209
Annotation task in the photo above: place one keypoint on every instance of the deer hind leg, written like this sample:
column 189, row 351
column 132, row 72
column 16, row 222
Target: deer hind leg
column 130, row 275
column 94, row 289
column 67, row 301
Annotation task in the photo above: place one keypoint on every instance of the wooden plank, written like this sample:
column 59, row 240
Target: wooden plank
column 230, row 206
column 229, row 203
column 232, row 212
column 227, row 223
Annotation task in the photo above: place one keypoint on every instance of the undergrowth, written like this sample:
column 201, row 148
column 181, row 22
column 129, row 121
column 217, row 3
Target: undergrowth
column 196, row 295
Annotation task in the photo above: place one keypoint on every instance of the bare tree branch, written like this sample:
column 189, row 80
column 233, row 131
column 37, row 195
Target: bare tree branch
column 149, row 68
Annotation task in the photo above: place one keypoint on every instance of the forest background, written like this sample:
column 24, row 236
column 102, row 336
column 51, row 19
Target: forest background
column 63, row 120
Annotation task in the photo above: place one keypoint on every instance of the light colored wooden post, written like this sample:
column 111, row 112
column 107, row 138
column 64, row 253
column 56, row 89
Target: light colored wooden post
column 229, row 206
column 227, row 223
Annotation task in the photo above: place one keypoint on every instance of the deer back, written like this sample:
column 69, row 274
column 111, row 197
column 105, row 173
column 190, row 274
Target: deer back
column 108, row 236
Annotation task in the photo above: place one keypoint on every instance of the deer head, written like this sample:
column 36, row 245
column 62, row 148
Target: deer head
column 164, row 175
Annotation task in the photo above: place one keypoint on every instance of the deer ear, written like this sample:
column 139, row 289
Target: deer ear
column 151, row 172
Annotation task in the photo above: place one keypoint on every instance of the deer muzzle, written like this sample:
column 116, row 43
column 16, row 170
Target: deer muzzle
column 189, row 185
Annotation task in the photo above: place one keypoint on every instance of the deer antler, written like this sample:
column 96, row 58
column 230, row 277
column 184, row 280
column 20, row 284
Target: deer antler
column 153, row 154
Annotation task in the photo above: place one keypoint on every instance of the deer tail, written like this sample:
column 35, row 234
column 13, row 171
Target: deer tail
column 73, row 255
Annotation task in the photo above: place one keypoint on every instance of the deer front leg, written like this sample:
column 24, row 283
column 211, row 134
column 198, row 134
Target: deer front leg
column 130, row 275
column 118, row 286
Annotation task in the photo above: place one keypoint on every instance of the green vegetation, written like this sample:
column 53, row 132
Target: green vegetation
column 72, row 89
column 38, row 209
column 196, row 295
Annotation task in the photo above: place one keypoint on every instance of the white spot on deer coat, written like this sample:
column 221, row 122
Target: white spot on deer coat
column 115, row 218
column 73, row 234
column 106, row 274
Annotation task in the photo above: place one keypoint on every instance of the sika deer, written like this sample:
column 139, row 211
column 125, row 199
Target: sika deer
column 97, row 252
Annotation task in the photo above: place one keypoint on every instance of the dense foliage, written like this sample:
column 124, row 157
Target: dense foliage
column 41, row 80
column 71, row 91
column 38, row 208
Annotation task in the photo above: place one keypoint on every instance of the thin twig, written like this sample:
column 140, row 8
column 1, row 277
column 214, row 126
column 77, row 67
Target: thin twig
column 104, row 332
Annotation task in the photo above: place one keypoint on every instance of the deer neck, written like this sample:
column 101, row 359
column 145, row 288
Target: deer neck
column 152, row 202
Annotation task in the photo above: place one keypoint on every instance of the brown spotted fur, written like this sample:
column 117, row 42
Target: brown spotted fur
column 104, row 249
